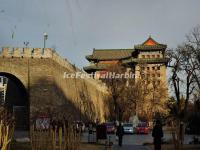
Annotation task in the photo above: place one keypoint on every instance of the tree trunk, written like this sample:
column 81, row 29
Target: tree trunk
column 178, row 135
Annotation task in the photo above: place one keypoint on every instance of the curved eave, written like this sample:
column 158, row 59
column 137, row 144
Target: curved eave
column 95, row 68
column 149, row 61
column 147, row 47
column 89, row 57
column 91, row 68
column 110, row 59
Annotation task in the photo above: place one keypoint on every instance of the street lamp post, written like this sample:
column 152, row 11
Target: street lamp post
column 45, row 38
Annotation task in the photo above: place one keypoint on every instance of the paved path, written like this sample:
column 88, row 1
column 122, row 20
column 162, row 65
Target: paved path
column 129, row 147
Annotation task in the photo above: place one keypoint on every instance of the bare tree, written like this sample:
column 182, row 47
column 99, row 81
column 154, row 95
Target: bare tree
column 122, row 92
column 141, row 95
column 192, row 52
column 152, row 93
column 182, row 81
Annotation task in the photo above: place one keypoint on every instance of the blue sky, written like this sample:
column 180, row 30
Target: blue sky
column 75, row 27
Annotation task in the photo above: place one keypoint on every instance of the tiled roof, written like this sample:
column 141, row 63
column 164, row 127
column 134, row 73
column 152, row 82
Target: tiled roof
column 110, row 54
column 120, row 54
column 145, row 60
column 154, row 47
column 150, row 44
column 96, row 67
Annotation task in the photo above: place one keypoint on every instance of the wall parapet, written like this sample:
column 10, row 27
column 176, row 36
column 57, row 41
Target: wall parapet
column 7, row 52
column 27, row 52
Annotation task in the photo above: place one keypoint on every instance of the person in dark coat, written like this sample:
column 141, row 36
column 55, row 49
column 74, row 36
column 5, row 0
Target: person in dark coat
column 157, row 134
column 120, row 133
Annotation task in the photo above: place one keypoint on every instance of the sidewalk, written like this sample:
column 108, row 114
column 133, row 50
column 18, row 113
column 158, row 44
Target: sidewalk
column 170, row 147
column 130, row 147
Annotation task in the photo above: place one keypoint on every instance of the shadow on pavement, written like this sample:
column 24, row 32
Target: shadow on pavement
column 130, row 147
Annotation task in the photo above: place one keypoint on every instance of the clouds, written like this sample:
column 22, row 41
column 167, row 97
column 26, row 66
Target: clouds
column 76, row 26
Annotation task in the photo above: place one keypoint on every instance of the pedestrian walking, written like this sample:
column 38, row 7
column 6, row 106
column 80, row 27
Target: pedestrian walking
column 120, row 133
column 157, row 134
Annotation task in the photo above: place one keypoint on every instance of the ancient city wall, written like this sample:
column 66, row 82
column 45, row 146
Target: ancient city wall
column 41, row 71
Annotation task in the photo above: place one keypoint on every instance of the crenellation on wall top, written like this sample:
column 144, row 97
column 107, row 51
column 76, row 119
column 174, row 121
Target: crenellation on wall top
column 48, row 53
column 27, row 52
column 6, row 52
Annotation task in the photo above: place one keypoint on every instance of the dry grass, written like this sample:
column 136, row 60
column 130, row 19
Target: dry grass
column 54, row 138
column 6, row 128
column 83, row 146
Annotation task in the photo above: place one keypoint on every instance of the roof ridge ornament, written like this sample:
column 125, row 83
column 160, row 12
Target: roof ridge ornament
column 150, row 42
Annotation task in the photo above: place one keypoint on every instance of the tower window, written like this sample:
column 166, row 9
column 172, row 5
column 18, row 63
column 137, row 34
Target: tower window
column 153, row 68
column 158, row 56
column 153, row 56
column 158, row 68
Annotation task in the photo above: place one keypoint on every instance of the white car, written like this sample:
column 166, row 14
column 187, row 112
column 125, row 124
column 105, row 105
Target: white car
column 128, row 128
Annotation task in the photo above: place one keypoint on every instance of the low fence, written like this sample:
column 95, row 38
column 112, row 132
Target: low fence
column 64, row 137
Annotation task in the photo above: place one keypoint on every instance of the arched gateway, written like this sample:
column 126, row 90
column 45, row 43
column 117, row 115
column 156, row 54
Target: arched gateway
column 16, row 100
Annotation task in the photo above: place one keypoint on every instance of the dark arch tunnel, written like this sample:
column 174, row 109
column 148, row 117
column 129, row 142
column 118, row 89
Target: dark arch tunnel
column 17, row 101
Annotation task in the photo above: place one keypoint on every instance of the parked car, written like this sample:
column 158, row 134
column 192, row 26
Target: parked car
column 110, row 127
column 142, row 128
column 128, row 128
